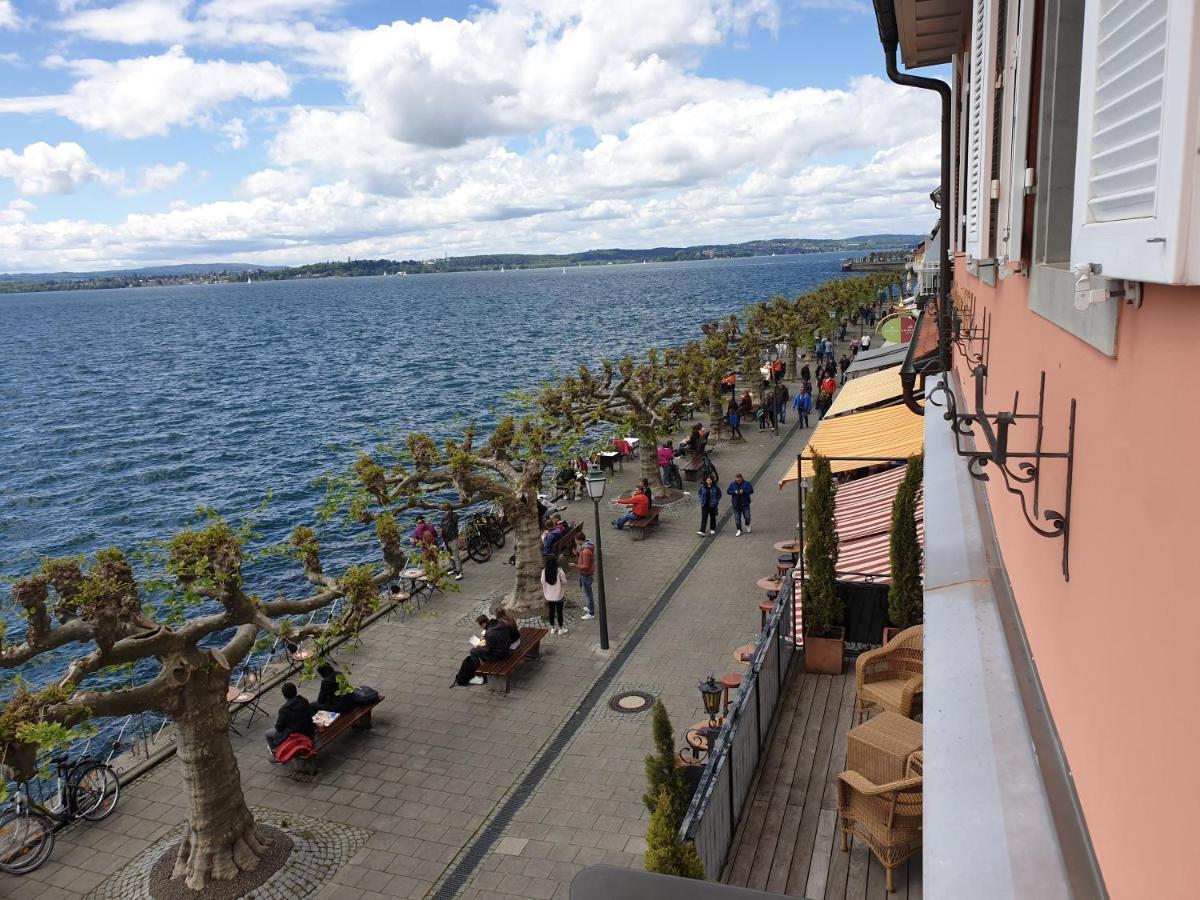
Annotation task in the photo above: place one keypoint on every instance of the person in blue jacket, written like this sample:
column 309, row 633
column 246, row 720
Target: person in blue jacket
column 710, row 499
column 803, row 404
column 739, row 492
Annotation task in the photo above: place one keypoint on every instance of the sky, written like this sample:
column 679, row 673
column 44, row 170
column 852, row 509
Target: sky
column 290, row 131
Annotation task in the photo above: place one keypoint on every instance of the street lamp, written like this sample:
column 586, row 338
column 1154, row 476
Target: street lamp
column 772, row 359
column 595, row 488
column 712, row 693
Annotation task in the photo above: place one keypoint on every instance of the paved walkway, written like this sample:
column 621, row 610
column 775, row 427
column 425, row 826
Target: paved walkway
column 440, row 763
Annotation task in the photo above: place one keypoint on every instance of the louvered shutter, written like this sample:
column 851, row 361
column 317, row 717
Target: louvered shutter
column 1136, row 155
column 979, row 142
column 1020, row 77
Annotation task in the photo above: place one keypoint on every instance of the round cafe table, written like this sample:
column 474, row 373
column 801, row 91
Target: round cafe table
column 792, row 547
column 770, row 583
column 747, row 650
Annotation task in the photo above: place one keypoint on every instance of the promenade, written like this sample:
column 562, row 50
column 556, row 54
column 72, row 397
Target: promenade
column 467, row 793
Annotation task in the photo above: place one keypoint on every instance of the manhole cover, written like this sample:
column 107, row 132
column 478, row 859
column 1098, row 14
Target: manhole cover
column 631, row 701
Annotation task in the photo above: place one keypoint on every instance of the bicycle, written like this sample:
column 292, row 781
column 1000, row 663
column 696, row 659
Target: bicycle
column 476, row 541
column 493, row 528
column 85, row 789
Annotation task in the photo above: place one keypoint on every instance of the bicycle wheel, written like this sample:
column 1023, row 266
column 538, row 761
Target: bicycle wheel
column 26, row 841
column 95, row 790
column 495, row 534
column 479, row 548
column 675, row 478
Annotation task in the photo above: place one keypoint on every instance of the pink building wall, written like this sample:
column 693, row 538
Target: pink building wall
column 1118, row 647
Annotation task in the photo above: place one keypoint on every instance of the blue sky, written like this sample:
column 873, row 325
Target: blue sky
column 285, row 131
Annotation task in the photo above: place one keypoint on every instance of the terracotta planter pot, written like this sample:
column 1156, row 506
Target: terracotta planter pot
column 825, row 655
column 889, row 633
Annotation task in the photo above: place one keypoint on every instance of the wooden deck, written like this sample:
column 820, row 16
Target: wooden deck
column 788, row 842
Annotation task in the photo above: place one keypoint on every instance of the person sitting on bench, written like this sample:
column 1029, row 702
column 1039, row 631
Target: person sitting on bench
column 514, row 630
column 494, row 646
column 295, row 717
column 639, row 508
column 328, row 697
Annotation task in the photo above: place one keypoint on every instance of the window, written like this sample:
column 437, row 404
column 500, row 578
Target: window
column 1135, row 168
column 1018, row 73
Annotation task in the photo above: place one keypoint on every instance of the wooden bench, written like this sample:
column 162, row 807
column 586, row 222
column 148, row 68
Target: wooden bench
column 497, row 671
column 356, row 717
column 639, row 526
column 565, row 545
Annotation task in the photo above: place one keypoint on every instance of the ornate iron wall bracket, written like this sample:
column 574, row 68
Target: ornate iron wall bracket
column 971, row 338
column 1021, row 470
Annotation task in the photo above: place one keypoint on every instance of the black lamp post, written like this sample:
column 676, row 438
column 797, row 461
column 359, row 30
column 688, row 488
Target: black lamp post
column 772, row 359
column 712, row 693
column 595, row 487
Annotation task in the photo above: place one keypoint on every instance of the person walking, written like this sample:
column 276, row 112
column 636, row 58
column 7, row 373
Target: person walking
column 805, row 373
column 829, row 385
column 781, row 402
column 585, row 562
column 710, row 500
column 843, row 365
column 803, row 404
column 554, row 590
column 734, row 418
column 450, row 539
column 739, row 492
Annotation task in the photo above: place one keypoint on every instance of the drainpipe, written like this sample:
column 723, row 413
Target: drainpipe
column 889, row 36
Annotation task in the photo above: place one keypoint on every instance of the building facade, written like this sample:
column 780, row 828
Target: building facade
column 1074, row 201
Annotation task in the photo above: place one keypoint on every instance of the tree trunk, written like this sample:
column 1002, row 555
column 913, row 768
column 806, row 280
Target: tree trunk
column 526, row 599
column 648, row 455
column 790, row 366
column 220, row 838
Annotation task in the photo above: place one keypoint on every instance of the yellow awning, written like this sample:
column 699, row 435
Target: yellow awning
column 867, row 390
column 867, row 438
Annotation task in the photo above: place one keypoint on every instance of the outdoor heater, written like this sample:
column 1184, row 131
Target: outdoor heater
column 595, row 482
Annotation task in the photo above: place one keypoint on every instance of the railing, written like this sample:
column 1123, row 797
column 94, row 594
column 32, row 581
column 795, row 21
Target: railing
column 720, row 798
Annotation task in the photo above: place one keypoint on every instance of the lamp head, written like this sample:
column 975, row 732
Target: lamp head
column 711, row 692
column 595, row 482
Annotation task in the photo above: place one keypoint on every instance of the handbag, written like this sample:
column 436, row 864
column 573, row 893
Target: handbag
column 365, row 696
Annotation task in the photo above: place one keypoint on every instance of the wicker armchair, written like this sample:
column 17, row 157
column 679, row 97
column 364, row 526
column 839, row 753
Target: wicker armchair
column 891, row 677
column 887, row 817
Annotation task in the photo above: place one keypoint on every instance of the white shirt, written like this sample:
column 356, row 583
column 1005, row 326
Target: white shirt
column 554, row 592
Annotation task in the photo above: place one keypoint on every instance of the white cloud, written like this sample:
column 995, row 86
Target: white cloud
column 275, row 185
column 8, row 15
column 43, row 169
column 235, row 134
column 158, row 178
column 135, row 98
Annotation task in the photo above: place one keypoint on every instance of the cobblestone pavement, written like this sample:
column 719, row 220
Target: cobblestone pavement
column 439, row 762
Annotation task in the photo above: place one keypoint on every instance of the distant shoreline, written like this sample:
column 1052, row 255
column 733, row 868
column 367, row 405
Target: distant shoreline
column 210, row 274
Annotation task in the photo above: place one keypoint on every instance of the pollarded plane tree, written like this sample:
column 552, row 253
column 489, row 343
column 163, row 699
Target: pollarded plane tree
column 194, row 621
column 644, row 398
column 422, row 475
column 703, row 365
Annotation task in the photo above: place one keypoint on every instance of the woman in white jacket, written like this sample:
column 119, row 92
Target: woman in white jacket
column 553, row 589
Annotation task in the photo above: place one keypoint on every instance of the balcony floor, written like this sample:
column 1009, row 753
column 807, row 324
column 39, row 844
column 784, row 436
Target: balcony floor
column 789, row 843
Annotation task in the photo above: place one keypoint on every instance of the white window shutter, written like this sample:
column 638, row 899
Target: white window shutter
column 979, row 102
column 1136, row 157
column 1020, row 77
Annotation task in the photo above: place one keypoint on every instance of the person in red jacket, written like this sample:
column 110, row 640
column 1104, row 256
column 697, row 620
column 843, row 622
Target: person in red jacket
column 639, row 508
column 585, row 562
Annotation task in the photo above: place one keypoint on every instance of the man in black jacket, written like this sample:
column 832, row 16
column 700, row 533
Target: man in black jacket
column 328, row 698
column 494, row 646
column 295, row 717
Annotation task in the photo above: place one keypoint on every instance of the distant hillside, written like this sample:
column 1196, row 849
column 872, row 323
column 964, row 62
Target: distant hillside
column 213, row 273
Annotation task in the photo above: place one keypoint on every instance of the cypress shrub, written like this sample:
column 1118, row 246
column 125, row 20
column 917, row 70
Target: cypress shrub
column 666, row 852
column 906, row 597
column 663, row 773
column 822, row 606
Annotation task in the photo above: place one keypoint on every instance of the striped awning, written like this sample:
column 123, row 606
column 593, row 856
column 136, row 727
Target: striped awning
column 870, row 390
column 863, row 439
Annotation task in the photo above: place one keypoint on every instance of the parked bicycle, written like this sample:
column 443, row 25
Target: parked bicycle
column 84, row 789
column 493, row 527
column 476, row 540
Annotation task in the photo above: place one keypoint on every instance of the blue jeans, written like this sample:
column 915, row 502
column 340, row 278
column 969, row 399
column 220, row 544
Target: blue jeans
column 585, row 584
column 741, row 516
column 626, row 519
column 665, row 473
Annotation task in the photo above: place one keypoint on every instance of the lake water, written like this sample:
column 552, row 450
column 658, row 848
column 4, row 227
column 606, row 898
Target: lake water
column 122, row 411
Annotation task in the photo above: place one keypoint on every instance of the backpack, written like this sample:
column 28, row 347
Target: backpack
column 365, row 696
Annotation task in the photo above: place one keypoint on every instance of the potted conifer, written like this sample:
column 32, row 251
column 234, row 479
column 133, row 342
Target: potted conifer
column 906, row 597
column 824, row 636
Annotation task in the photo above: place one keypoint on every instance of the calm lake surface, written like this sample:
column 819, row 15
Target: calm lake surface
column 122, row 411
